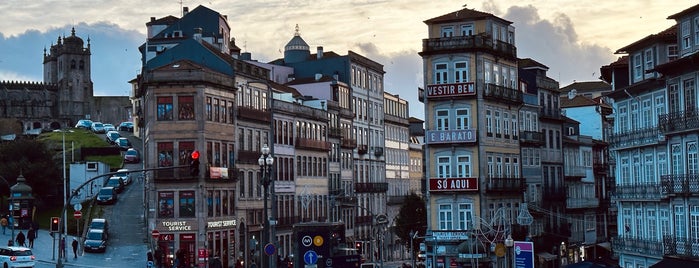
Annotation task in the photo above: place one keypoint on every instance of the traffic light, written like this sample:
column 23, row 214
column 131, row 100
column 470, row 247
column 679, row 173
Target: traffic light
column 55, row 224
column 359, row 247
column 194, row 164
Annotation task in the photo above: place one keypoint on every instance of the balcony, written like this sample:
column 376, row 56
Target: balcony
column 252, row 114
column 311, row 144
column 335, row 132
column 550, row 113
column 572, row 172
column 471, row 43
column 300, row 110
column 396, row 119
column 364, row 220
column 348, row 143
column 371, row 187
column 581, row 203
column 362, row 149
column 248, row 157
column 680, row 246
column 679, row 184
column 651, row 247
column 553, row 194
column 378, row 151
column 287, row 221
column 678, row 122
column 504, row 94
column 232, row 176
column 535, row 138
column 347, row 113
column 637, row 191
column 640, row 137
column 505, row 185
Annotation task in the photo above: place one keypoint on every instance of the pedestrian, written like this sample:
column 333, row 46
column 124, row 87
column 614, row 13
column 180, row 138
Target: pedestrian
column 62, row 248
column 215, row 262
column 75, row 247
column 4, row 224
column 20, row 239
column 35, row 225
column 31, row 235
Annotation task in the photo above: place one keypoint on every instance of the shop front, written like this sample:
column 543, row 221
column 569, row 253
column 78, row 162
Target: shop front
column 221, row 240
column 177, row 242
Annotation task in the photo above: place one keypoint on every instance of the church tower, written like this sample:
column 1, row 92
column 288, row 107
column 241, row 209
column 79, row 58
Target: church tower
column 67, row 65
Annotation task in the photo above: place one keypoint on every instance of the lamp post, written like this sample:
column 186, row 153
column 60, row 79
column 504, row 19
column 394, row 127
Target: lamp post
column 509, row 242
column 413, row 234
column 266, row 161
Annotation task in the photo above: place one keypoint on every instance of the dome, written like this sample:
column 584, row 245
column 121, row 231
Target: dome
column 297, row 43
column 72, row 40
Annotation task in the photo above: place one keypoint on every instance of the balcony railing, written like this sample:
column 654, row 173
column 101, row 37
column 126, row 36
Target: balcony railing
column 553, row 195
column 248, row 157
column 457, row 44
column 600, row 168
column 371, row 187
column 378, row 151
column 364, row 220
column 574, row 172
column 505, row 185
column 650, row 247
column 531, row 137
column 573, row 203
column 679, row 121
column 362, row 149
column 501, row 93
column 679, row 184
column 680, row 246
column 311, row 144
column 288, row 221
column 637, row 191
column 335, row 132
column 639, row 137
column 550, row 113
column 249, row 113
column 348, row 143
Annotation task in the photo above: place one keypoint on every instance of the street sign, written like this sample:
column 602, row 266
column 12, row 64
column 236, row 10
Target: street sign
column 155, row 234
column 524, row 254
column 310, row 257
column 270, row 249
column 78, row 206
column 306, row 241
column 77, row 214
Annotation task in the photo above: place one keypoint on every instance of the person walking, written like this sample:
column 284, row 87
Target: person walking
column 75, row 247
column 20, row 239
column 4, row 224
column 62, row 248
column 31, row 235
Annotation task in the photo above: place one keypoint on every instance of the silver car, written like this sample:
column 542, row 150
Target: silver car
column 16, row 257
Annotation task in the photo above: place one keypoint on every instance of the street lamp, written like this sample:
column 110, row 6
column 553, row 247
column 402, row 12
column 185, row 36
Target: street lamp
column 509, row 243
column 413, row 235
column 266, row 161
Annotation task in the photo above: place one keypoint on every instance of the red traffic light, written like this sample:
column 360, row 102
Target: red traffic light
column 54, row 220
column 195, row 155
column 359, row 245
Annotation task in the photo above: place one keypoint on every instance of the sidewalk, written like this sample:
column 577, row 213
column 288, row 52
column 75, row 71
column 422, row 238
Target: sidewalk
column 47, row 255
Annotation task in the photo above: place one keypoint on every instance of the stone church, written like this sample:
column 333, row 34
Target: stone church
column 64, row 97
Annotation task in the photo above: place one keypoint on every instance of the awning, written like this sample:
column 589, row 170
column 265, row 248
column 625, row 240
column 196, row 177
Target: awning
column 675, row 262
column 547, row 256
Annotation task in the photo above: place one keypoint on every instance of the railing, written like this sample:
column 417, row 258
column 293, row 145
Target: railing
column 531, row 137
column 378, row 151
column 232, row 176
column 335, row 132
column 364, row 220
column 573, row 203
column 306, row 143
column 249, row 113
column 288, row 221
column 550, row 113
column 457, row 44
column 637, row 246
column 680, row 246
column 362, row 149
column 679, row 121
column 554, row 194
column 395, row 119
column 639, row 137
column 371, row 187
column 348, row 143
column 551, row 155
column 502, row 93
column 504, row 185
column 637, row 191
column 347, row 113
column 248, row 157
column 300, row 110
column 575, row 172
column 679, row 184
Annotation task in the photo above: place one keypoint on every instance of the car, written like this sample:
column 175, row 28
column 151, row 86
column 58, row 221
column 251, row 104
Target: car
column 132, row 156
column 84, row 123
column 95, row 241
column 126, row 126
column 106, row 196
column 117, row 183
column 421, row 256
column 123, row 143
column 16, row 257
column 125, row 175
column 109, row 127
column 100, row 224
column 97, row 127
column 112, row 136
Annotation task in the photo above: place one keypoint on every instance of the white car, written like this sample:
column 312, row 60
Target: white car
column 125, row 175
column 97, row 127
column 109, row 127
column 16, row 257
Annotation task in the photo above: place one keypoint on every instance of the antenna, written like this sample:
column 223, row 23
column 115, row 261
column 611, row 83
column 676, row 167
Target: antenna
column 181, row 10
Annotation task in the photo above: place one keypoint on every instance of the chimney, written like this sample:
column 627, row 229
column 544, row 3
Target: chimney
column 152, row 19
column 185, row 10
column 320, row 52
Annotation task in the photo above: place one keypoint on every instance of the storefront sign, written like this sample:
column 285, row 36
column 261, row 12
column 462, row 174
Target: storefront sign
column 450, row 136
column 218, row 173
column 450, row 235
column 448, row 90
column 524, row 254
column 221, row 223
column 177, row 225
column 453, row 184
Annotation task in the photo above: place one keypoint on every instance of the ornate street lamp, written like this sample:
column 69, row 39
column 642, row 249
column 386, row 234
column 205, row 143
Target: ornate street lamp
column 266, row 161
column 509, row 243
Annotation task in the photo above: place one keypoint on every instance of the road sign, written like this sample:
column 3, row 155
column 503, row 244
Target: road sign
column 155, row 234
column 77, row 214
column 77, row 206
column 306, row 241
column 524, row 254
column 270, row 249
column 310, row 257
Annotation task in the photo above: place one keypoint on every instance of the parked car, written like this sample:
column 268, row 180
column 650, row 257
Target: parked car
column 100, row 224
column 125, row 175
column 123, row 143
column 132, row 156
column 16, row 257
column 96, row 241
column 84, row 123
column 117, row 183
column 97, row 127
column 109, row 127
column 112, row 136
column 126, row 126
column 106, row 196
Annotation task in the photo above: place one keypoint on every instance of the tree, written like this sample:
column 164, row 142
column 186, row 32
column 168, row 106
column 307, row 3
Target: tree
column 412, row 217
column 35, row 162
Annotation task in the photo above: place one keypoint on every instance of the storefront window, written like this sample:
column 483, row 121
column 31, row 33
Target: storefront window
column 166, row 204
column 187, row 207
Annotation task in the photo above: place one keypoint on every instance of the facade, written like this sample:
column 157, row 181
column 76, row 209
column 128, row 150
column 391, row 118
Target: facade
column 655, row 146
column 472, row 148
column 417, row 140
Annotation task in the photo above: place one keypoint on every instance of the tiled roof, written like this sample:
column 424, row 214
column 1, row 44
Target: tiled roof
column 589, row 86
column 528, row 63
column 683, row 13
column 163, row 21
column 577, row 101
column 463, row 14
column 667, row 35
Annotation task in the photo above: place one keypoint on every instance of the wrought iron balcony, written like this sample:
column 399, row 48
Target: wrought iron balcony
column 371, row 187
column 637, row 191
column 550, row 113
column 554, row 194
column 574, row 172
column 680, row 246
column 638, row 137
column 288, row 221
column 531, row 138
column 505, row 185
column 581, row 203
column 364, row 220
column 312, row 144
column 504, row 94
column 362, row 149
column 248, row 157
column 335, row 132
column 378, row 151
column 348, row 143
column 470, row 43
column 679, row 184
column 646, row 246
column 679, row 121
column 252, row 114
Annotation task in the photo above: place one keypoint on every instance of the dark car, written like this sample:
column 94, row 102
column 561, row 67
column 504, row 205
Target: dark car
column 106, row 196
column 117, row 183
column 123, row 143
column 100, row 224
column 96, row 241
column 112, row 136
column 125, row 126
column 132, row 156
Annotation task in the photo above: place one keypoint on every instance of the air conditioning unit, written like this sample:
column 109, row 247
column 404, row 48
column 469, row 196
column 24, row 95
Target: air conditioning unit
column 91, row 166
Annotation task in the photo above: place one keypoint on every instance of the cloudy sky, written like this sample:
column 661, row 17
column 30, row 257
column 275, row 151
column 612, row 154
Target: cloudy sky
column 572, row 37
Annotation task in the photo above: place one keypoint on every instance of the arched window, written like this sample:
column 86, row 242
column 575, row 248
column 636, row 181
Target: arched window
column 81, row 65
column 72, row 64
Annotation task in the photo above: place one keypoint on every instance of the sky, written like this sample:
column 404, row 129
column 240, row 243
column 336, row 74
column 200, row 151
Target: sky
column 574, row 38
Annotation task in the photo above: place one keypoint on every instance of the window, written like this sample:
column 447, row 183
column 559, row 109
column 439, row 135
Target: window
column 467, row 29
column 185, row 105
column 696, row 30
column 506, row 125
column 686, row 41
column 166, row 204
column 442, row 119
column 488, row 123
column 680, row 222
column 497, row 124
column 209, row 109
column 690, row 95
column 694, row 222
column 461, row 72
column 463, row 166
column 447, row 31
column 465, row 216
column 443, row 167
column 677, row 167
column 164, row 108
column 187, row 207
column 515, row 132
column 462, row 119
column 649, row 60
column 487, row 70
column 672, row 52
column 440, row 73
column 165, row 154
column 673, row 98
column 652, row 224
column 637, row 67
column 692, row 163
column 445, row 217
